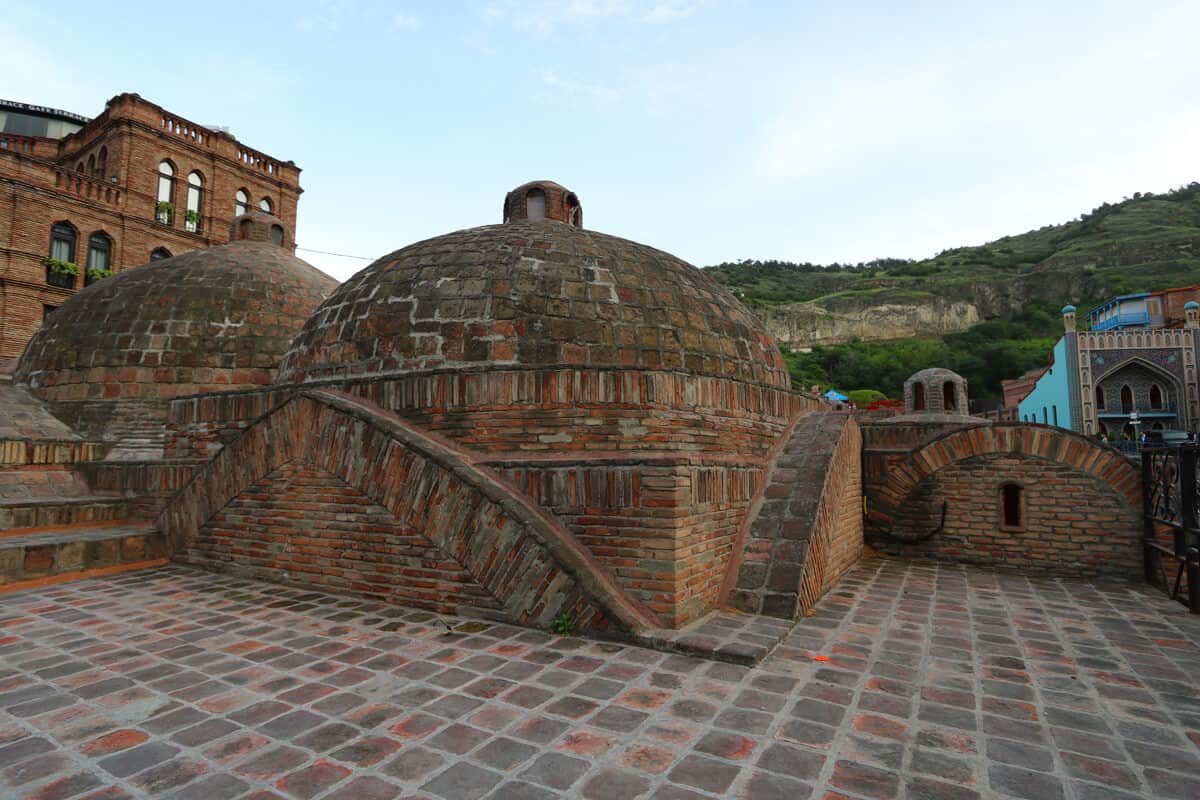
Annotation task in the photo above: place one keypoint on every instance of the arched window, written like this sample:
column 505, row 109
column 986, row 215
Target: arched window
column 1045, row 416
column 164, row 209
column 62, row 242
column 1054, row 413
column 1126, row 399
column 948, row 399
column 1099, row 398
column 79, row 167
column 159, row 253
column 241, row 203
column 265, row 205
column 1156, row 397
column 1012, row 506
column 918, row 397
column 91, row 167
column 102, row 163
column 277, row 235
column 195, row 191
column 535, row 204
column 574, row 213
column 99, row 260
column 99, row 251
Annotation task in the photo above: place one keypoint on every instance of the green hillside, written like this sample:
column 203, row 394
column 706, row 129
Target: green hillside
column 1018, row 283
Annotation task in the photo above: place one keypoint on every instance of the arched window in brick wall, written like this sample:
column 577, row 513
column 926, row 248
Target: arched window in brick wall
column 1099, row 398
column 535, row 204
column 102, row 163
column 241, row 203
column 1156, row 397
column 91, row 167
column 266, row 205
column 99, row 259
column 1126, row 399
column 918, row 396
column 164, row 209
column 1012, row 506
column 159, row 253
column 277, row 235
column 62, row 242
column 949, row 400
column 195, row 197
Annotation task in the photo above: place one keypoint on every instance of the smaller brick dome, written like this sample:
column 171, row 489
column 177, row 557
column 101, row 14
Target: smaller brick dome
column 936, row 391
column 259, row 226
column 208, row 320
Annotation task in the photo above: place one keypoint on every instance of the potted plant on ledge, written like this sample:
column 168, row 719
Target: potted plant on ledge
column 164, row 212
column 61, row 273
column 191, row 220
column 96, row 274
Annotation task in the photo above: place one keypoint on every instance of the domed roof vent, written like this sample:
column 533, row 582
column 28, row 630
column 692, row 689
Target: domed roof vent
column 539, row 200
column 259, row 226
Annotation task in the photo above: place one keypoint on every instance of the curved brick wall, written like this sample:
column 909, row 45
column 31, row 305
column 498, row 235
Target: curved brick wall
column 329, row 491
column 205, row 321
column 1080, row 509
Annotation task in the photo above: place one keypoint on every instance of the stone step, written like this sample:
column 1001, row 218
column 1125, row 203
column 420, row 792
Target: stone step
column 77, row 552
column 20, row 513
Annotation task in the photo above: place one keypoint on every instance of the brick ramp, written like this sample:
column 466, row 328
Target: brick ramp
column 804, row 529
column 435, row 496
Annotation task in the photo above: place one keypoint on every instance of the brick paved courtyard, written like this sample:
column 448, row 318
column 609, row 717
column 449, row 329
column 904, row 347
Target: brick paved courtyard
column 912, row 681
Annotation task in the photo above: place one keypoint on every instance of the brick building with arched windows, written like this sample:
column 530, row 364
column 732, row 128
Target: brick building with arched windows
column 80, row 199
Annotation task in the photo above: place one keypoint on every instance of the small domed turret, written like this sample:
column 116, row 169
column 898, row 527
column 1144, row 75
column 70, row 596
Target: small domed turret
column 543, row 200
column 259, row 226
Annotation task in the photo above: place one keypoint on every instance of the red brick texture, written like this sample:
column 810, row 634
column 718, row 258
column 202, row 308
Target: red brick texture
column 520, row 555
column 1080, row 513
column 211, row 320
column 40, row 185
column 804, row 529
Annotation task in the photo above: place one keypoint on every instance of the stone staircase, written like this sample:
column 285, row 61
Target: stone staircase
column 138, row 431
column 54, row 526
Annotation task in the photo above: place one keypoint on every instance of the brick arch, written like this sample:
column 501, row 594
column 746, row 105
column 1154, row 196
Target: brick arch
column 1102, row 462
column 523, row 558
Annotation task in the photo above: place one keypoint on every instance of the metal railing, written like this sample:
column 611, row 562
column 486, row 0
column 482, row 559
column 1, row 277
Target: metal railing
column 1171, row 521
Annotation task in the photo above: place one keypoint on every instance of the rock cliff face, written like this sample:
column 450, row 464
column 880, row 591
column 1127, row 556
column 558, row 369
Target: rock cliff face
column 800, row 325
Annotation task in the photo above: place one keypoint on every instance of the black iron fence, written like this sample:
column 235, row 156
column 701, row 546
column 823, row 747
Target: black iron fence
column 1171, row 514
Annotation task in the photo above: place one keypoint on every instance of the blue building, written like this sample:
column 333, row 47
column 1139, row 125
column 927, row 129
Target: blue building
column 1135, row 370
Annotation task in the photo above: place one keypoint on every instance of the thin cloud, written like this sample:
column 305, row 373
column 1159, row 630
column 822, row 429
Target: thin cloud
column 406, row 22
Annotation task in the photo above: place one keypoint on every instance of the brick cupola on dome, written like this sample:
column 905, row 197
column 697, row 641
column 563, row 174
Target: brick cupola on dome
column 539, row 200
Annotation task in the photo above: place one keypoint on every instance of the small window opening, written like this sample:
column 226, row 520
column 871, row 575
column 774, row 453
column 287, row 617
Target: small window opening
column 1156, row 397
column 1099, row 398
column 948, row 398
column 277, row 235
column 918, row 397
column 535, row 204
column 159, row 253
column 1126, row 399
column 1011, row 505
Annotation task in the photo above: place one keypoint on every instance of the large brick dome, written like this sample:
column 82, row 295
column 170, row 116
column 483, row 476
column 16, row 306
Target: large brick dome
column 532, row 294
column 208, row 320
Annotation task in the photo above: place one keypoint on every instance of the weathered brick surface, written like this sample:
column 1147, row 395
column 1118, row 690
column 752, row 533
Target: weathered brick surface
column 44, row 181
column 663, row 527
column 302, row 525
column 210, row 320
column 1081, row 499
column 522, row 557
column 805, row 529
column 533, row 294
column 1073, row 522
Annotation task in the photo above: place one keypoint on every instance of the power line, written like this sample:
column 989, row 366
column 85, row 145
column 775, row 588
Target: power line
column 340, row 255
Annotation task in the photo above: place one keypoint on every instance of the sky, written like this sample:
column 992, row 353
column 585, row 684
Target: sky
column 717, row 130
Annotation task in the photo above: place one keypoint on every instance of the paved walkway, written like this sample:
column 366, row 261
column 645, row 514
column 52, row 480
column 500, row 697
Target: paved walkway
column 912, row 681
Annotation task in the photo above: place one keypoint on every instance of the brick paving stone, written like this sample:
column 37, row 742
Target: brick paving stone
column 944, row 683
column 312, row 780
column 365, row 788
column 462, row 781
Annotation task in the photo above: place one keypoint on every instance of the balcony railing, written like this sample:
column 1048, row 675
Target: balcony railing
column 60, row 279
